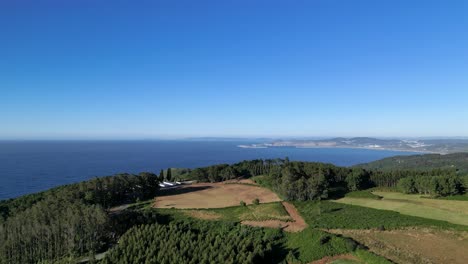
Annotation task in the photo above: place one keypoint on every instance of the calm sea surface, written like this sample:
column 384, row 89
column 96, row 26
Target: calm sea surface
column 32, row 166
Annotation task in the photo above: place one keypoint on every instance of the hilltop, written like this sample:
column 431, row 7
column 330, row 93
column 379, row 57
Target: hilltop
column 254, row 211
column 458, row 161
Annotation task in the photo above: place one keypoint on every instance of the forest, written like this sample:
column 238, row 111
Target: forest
column 195, row 242
column 301, row 181
column 70, row 220
column 433, row 185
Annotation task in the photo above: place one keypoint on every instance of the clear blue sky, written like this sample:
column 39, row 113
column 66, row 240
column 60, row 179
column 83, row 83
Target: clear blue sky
column 151, row 69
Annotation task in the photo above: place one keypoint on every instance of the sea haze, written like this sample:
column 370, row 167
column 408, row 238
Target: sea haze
column 32, row 166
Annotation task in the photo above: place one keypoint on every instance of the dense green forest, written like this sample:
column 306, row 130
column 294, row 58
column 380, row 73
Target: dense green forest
column 434, row 185
column 294, row 180
column 195, row 242
column 69, row 220
column 106, row 191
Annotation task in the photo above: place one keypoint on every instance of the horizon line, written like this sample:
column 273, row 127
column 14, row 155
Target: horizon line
column 213, row 138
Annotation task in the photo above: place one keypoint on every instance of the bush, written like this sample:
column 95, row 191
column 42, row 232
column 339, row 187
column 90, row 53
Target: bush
column 351, row 245
column 324, row 239
column 242, row 203
column 256, row 201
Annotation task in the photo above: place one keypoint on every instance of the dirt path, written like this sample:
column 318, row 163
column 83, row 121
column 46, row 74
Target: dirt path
column 241, row 181
column 296, row 225
column 118, row 209
column 417, row 245
column 330, row 259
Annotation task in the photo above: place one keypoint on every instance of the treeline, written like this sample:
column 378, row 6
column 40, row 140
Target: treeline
column 69, row 220
column 433, row 185
column 303, row 181
column 251, row 168
column 106, row 191
column 194, row 242
column 223, row 172
column 390, row 178
column 306, row 180
column 457, row 161
column 52, row 229
column 291, row 179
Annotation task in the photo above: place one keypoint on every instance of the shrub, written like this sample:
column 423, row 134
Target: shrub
column 242, row 203
column 351, row 245
column 256, row 201
column 324, row 239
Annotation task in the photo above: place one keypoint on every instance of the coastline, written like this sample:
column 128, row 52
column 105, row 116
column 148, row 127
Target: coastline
column 346, row 147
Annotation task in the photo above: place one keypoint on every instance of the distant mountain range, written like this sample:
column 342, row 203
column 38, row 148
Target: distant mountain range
column 441, row 146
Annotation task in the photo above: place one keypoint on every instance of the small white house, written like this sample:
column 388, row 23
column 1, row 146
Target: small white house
column 166, row 184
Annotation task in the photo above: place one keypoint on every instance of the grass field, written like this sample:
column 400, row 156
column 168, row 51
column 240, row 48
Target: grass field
column 451, row 211
column 363, row 194
column 460, row 197
column 214, row 195
column 331, row 215
column 313, row 244
column 415, row 245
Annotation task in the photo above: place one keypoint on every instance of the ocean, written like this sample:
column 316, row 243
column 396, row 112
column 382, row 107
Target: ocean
column 33, row 166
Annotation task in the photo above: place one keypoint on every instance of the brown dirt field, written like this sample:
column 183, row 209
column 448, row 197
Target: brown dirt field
column 416, row 245
column 330, row 259
column 296, row 225
column 214, row 195
column 242, row 181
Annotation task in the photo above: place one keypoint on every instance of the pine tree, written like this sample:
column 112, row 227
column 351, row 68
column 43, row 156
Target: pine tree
column 161, row 175
column 169, row 175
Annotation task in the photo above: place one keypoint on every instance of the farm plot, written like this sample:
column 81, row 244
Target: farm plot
column 296, row 225
column 260, row 212
column 417, row 245
column 214, row 195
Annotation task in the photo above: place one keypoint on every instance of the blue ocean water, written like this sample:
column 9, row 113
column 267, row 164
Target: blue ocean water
column 32, row 166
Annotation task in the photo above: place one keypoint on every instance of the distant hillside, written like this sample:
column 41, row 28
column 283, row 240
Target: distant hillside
column 421, row 162
column 442, row 146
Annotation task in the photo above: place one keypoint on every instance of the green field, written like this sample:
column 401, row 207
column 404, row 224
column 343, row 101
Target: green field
column 451, row 211
column 313, row 244
column 363, row 194
column 332, row 215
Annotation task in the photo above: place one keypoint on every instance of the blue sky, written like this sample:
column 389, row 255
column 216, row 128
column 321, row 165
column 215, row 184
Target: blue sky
column 168, row 69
